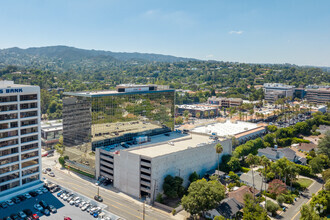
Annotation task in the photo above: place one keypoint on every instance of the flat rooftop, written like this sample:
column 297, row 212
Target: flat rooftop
column 226, row 128
column 11, row 84
column 197, row 107
column 180, row 143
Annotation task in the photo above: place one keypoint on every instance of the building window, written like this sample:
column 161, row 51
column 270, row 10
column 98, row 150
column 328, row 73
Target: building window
column 9, row 177
column 8, row 99
column 30, row 179
column 8, row 117
column 29, row 122
column 28, row 97
column 28, row 139
column 30, row 171
column 8, row 143
column 30, row 163
column 29, row 155
column 29, row 114
column 9, row 160
column 29, row 130
column 9, row 151
column 28, row 105
column 8, row 108
column 9, row 169
column 9, row 134
column 9, row 186
column 29, row 147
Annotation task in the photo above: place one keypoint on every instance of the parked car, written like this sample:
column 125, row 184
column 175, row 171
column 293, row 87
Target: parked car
column 9, row 202
column 44, row 189
column 38, row 207
column 43, row 204
column 44, row 171
column 14, row 216
column 51, row 174
column 33, row 193
column 39, row 192
column 46, row 212
column 77, row 203
column 84, row 207
column 21, row 197
column 67, row 218
column 22, row 214
column 28, row 212
column 16, row 200
column 35, row 216
column 4, row 205
column 82, row 204
column 48, row 169
column 52, row 209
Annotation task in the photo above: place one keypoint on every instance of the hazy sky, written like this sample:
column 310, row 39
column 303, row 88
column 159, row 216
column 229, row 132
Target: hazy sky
column 263, row 31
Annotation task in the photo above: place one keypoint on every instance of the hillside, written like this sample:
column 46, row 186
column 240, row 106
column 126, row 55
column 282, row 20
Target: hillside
column 64, row 58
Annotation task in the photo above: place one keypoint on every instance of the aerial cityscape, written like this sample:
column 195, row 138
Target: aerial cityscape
column 173, row 110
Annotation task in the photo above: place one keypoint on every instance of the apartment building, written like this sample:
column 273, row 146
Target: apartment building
column 20, row 156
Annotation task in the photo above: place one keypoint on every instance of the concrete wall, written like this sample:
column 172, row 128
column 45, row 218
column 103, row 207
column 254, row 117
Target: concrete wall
column 183, row 163
column 127, row 173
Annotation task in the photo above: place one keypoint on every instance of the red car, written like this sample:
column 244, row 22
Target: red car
column 67, row 218
column 35, row 216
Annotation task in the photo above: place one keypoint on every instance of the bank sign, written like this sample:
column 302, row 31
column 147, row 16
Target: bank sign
column 19, row 90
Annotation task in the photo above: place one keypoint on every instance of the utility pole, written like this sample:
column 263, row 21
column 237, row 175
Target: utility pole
column 98, row 191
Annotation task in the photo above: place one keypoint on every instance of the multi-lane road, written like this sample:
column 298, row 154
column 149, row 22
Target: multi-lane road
column 123, row 206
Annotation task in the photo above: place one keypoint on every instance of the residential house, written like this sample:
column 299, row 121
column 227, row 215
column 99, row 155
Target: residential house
column 228, row 208
column 259, row 184
column 241, row 192
column 278, row 153
column 306, row 147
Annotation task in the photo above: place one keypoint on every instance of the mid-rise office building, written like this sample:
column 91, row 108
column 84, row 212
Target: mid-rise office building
column 225, row 102
column 20, row 156
column 318, row 95
column 51, row 132
column 204, row 111
column 131, row 113
column 274, row 91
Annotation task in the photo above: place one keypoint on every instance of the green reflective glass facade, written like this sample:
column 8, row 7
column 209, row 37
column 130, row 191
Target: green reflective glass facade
column 92, row 121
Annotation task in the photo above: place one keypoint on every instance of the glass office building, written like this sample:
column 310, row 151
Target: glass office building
column 132, row 113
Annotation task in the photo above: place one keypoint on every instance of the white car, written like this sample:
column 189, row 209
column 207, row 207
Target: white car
column 66, row 197
column 22, row 214
column 38, row 207
column 51, row 174
column 44, row 171
column 27, row 195
column 72, row 202
column 83, row 208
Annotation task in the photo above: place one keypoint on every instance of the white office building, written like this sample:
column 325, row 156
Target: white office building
column 274, row 91
column 20, row 156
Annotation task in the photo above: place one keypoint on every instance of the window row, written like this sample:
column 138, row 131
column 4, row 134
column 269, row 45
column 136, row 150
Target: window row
column 9, row 169
column 9, row 151
column 8, row 125
column 5, row 108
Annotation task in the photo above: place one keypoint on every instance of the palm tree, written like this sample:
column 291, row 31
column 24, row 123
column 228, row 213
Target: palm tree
column 252, row 160
column 218, row 150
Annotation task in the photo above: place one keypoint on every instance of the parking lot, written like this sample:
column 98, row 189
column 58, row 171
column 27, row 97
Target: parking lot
column 64, row 209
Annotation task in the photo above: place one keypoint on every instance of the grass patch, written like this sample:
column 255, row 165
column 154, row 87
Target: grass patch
column 79, row 171
column 304, row 183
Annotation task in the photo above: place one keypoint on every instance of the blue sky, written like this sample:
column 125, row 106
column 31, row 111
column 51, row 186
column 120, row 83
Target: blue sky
column 264, row 31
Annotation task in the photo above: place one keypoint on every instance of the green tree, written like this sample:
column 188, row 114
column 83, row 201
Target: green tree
column 172, row 186
column 203, row 196
column 252, row 210
column 272, row 207
column 178, row 120
column 218, row 150
column 234, row 164
column 233, row 176
column 193, row 177
column 324, row 144
column 316, row 164
column 308, row 213
column 280, row 199
column 61, row 161
column 220, row 217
